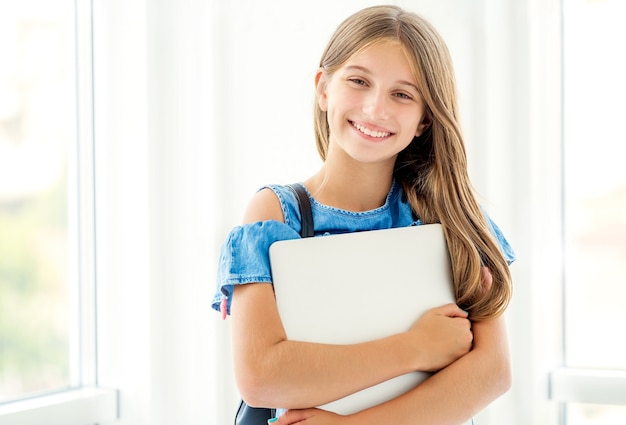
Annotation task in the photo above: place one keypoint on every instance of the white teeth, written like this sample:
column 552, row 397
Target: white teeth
column 371, row 133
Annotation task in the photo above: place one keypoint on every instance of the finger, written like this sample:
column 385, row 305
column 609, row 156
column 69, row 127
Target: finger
column 452, row 310
column 292, row 416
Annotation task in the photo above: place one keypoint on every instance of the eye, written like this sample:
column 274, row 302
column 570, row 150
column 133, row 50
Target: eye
column 358, row 81
column 403, row 96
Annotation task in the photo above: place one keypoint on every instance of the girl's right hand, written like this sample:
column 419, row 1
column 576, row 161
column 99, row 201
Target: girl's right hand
column 441, row 336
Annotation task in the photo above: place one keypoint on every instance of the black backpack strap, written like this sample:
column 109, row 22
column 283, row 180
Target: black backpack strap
column 306, row 214
column 247, row 415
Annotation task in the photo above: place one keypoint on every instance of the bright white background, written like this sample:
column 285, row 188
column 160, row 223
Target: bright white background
column 199, row 103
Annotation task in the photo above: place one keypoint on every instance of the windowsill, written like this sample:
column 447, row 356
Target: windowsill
column 594, row 386
column 73, row 407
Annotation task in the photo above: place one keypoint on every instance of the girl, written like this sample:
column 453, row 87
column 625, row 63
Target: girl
column 387, row 130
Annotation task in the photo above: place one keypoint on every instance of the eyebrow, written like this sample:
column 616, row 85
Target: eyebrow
column 367, row 71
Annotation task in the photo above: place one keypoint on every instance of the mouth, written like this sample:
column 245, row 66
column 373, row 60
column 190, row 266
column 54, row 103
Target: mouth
column 375, row 133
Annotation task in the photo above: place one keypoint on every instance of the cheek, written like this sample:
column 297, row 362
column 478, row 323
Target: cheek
column 412, row 124
column 339, row 98
column 421, row 120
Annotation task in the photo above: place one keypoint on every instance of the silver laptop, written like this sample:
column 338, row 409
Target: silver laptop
column 355, row 287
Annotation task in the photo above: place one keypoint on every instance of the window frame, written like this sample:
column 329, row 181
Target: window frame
column 589, row 386
column 571, row 384
column 89, row 405
column 86, row 402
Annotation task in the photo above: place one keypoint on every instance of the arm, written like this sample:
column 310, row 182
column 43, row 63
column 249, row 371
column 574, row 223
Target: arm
column 459, row 391
column 449, row 397
column 273, row 371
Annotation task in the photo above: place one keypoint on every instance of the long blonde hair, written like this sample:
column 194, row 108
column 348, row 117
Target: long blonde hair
column 433, row 168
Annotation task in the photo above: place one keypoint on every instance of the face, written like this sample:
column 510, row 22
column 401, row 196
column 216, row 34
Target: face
column 373, row 105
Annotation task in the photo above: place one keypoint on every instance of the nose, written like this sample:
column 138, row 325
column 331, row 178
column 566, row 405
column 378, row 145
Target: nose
column 375, row 105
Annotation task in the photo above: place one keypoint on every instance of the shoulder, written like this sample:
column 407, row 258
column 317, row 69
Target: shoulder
column 264, row 206
column 273, row 202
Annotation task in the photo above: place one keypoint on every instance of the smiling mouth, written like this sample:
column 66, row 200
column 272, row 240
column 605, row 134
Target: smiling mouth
column 369, row 132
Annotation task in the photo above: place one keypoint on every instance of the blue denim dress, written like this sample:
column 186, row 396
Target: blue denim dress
column 244, row 256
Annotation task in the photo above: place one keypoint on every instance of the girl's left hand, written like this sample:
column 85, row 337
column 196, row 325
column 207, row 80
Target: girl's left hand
column 310, row 417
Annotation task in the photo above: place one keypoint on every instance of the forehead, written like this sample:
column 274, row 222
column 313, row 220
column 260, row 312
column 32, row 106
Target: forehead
column 385, row 58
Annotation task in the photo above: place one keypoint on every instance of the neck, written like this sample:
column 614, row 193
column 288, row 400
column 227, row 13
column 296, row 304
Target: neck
column 359, row 188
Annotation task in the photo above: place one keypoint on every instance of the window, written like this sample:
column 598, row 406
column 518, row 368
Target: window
column 47, row 284
column 594, row 207
column 38, row 227
column 595, row 183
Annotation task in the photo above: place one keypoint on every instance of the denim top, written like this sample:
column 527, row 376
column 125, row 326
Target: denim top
column 244, row 256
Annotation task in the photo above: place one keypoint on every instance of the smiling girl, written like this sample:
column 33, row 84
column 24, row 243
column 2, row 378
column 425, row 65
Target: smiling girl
column 386, row 125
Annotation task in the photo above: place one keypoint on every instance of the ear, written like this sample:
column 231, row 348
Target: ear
column 320, row 89
column 424, row 124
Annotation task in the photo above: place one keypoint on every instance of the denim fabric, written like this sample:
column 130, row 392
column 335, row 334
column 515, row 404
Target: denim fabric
column 244, row 256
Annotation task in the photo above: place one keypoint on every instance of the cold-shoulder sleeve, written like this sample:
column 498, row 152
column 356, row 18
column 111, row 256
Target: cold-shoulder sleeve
column 244, row 258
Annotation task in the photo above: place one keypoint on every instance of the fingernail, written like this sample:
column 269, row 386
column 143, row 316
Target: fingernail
column 271, row 421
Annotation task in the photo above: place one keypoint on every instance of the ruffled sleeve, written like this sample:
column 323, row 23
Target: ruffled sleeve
column 505, row 247
column 244, row 258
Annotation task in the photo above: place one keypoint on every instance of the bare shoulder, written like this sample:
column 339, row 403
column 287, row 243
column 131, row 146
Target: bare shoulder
column 263, row 206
